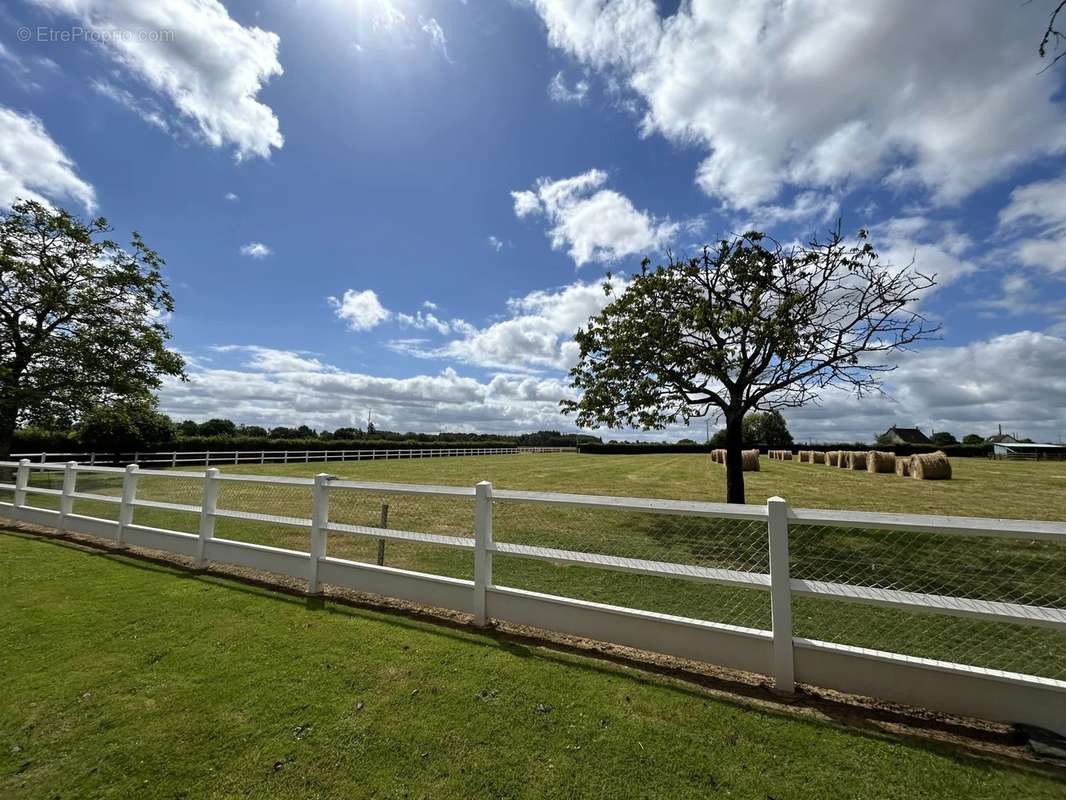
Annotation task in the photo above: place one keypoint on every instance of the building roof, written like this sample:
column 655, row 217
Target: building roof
column 1030, row 446
column 1001, row 437
column 910, row 435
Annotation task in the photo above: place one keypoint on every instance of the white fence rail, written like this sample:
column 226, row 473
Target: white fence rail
column 177, row 458
column 961, row 615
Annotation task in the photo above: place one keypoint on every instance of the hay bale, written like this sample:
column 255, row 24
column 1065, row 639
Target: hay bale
column 843, row 463
column 832, row 457
column 749, row 460
column 818, row 457
column 786, row 455
column 857, row 460
column 903, row 466
column 931, row 466
column 880, row 461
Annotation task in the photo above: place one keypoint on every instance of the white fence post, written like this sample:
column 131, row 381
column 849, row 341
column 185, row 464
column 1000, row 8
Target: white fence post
column 482, row 549
column 22, row 480
column 780, row 596
column 129, row 494
column 66, row 500
column 319, row 521
column 208, row 504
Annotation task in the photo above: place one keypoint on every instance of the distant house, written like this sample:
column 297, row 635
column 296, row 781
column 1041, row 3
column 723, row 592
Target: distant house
column 1002, row 438
column 895, row 435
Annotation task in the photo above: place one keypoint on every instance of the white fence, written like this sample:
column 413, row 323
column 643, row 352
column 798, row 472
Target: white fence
column 177, row 458
column 864, row 578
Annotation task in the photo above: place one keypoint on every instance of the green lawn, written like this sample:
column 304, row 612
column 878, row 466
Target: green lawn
column 1032, row 573
column 123, row 678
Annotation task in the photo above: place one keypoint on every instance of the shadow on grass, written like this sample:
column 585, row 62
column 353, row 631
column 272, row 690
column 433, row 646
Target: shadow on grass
column 913, row 728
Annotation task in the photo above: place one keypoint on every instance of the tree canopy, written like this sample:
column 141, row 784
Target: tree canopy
column 125, row 427
column 746, row 325
column 82, row 319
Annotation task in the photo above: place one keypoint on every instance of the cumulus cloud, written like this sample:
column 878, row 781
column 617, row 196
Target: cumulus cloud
column 935, row 247
column 593, row 223
column 193, row 54
column 34, row 167
column 1038, row 209
column 360, row 310
column 920, row 94
column 560, row 92
column 256, row 250
column 272, row 387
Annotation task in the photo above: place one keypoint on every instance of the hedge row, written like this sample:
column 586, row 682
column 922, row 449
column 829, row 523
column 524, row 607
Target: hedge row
column 957, row 451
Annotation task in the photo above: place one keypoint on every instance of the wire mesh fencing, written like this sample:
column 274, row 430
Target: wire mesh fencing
column 1030, row 572
column 673, row 539
column 261, row 500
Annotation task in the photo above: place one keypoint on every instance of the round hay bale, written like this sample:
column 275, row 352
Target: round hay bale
column 931, row 466
column 880, row 461
column 903, row 466
column 786, row 455
column 857, row 460
column 832, row 457
column 749, row 460
column 843, row 463
column 817, row 457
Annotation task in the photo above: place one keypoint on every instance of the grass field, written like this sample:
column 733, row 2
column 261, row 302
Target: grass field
column 1032, row 573
column 124, row 678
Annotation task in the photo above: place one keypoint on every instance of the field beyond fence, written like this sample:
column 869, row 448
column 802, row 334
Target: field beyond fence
column 964, row 615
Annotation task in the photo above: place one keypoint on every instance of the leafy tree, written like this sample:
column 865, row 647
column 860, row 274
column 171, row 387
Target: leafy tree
column 82, row 320
column 252, row 430
column 304, row 432
column 747, row 325
column 347, row 433
column 943, row 439
column 188, row 427
column 218, row 427
column 125, row 427
column 973, row 438
column 686, row 441
column 766, row 427
column 282, row 432
column 884, row 439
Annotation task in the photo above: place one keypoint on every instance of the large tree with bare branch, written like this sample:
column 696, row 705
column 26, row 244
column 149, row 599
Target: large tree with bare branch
column 1053, row 36
column 82, row 319
column 746, row 325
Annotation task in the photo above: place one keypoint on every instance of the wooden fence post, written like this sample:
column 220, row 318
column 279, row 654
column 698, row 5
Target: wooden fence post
column 208, row 504
column 319, row 521
column 66, row 499
column 129, row 494
column 482, row 549
column 22, row 480
column 780, row 596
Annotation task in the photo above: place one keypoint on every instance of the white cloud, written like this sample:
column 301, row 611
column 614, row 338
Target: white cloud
column 593, row 223
column 934, row 247
column 538, row 334
column 256, row 250
column 275, row 387
column 814, row 94
column 435, row 32
column 195, row 55
column 361, row 310
column 495, row 243
column 34, row 167
column 143, row 107
column 231, row 196
column 561, row 93
column 805, row 207
column 1038, row 208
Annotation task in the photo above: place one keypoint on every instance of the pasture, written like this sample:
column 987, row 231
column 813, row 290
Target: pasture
column 125, row 678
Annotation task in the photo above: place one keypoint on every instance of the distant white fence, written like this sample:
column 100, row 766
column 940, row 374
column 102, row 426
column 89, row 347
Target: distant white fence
column 952, row 686
column 177, row 458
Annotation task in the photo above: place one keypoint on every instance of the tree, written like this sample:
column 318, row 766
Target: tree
column 125, row 427
column 82, row 320
column 305, row 432
column 766, row 427
column 218, row 427
column 943, row 439
column 347, row 433
column 188, row 427
column 252, row 430
column 973, row 439
column 1053, row 37
column 282, row 432
column 747, row 325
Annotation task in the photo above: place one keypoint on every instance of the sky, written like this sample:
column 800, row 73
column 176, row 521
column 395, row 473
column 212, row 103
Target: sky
column 407, row 207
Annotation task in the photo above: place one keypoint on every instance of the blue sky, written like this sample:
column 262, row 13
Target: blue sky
column 408, row 205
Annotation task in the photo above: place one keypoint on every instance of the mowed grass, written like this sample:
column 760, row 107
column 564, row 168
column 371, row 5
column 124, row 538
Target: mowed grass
column 124, row 678
column 1032, row 573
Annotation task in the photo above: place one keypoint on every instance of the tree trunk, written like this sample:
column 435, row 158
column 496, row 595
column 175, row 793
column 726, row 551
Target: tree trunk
column 8, row 423
column 734, row 470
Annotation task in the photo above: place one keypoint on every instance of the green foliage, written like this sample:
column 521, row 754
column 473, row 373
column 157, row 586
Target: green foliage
column 82, row 319
column 766, row 428
column 943, row 439
column 884, row 439
column 251, row 430
column 188, row 427
column 125, row 427
column 217, row 427
column 973, row 438
column 747, row 325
